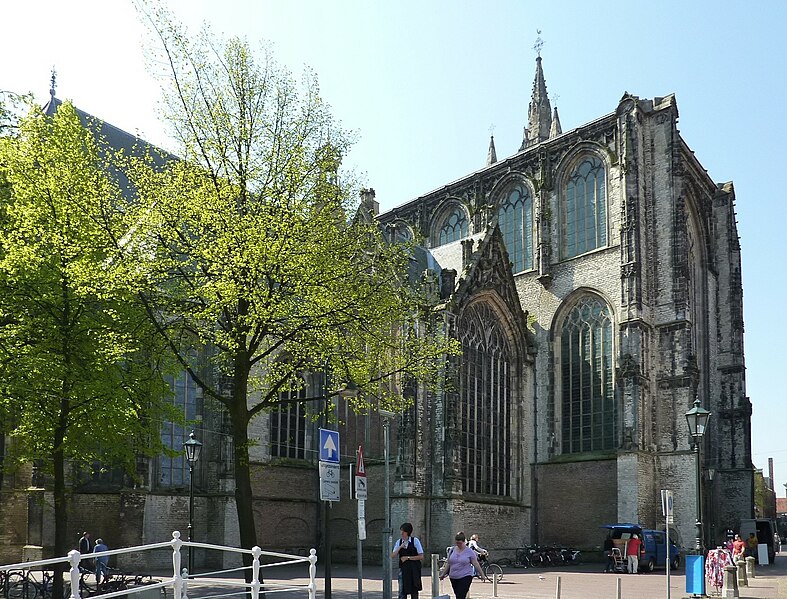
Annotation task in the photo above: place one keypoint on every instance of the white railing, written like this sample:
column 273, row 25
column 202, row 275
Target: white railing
column 180, row 577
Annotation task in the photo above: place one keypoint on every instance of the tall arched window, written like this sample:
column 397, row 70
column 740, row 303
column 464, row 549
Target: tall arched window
column 515, row 217
column 289, row 425
column 453, row 227
column 485, row 381
column 589, row 409
column 585, row 209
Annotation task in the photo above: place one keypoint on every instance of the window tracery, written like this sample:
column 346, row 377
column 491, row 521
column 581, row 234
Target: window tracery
column 453, row 227
column 515, row 218
column 485, row 402
column 584, row 209
column 589, row 408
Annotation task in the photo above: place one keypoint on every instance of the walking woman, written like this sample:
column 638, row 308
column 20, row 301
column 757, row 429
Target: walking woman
column 459, row 567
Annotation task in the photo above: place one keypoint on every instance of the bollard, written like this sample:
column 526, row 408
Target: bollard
column 494, row 584
column 435, row 574
column 750, row 567
column 617, row 589
column 557, row 588
column 742, row 580
column 730, row 588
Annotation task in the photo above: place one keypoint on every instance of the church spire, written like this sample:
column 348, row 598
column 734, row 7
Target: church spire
column 555, row 129
column 53, row 83
column 539, row 122
column 491, row 155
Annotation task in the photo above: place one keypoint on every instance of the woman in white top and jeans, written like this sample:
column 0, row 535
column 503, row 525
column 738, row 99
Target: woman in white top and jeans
column 459, row 567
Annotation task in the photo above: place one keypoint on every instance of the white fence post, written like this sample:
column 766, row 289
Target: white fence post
column 75, row 558
column 312, row 573
column 176, row 545
column 255, row 572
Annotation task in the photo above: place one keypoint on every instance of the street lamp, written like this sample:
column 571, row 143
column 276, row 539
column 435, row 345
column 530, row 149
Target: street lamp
column 387, row 532
column 697, row 419
column 193, row 448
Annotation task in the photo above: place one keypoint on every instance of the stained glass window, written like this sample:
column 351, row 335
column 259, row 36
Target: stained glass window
column 589, row 409
column 453, row 226
column 515, row 218
column 485, row 399
column 585, row 209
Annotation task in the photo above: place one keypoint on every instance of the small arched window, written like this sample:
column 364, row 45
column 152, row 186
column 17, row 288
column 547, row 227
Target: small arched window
column 585, row 209
column 453, row 226
column 515, row 217
column 402, row 233
column 589, row 409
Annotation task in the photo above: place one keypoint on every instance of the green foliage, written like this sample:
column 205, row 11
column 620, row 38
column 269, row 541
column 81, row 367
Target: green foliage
column 247, row 245
column 77, row 356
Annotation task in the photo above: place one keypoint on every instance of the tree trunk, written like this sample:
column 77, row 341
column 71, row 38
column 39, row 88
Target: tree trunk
column 239, row 418
column 61, row 513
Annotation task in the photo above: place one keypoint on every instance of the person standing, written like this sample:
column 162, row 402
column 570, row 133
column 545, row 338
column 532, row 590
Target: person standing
column 101, row 562
column 608, row 546
column 459, row 566
column 85, row 547
column 410, row 553
column 738, row 547
column 632, row 553
column 751, row 545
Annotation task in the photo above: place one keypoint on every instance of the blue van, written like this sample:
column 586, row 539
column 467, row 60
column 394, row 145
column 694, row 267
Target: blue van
column 654, row 545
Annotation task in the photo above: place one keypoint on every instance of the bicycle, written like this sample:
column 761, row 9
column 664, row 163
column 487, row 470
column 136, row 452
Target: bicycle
column 23, row 584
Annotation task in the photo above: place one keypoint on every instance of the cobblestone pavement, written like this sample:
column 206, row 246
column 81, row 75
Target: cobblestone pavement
column 581, row 582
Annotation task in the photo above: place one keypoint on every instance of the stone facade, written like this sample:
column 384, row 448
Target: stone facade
column 669, row 274
column 495, row 448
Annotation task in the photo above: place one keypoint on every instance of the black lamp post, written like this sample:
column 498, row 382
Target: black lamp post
column 697, row 419
column 193, row 448
column 387, row 531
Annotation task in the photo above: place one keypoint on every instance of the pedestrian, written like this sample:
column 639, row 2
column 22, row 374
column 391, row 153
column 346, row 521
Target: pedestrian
column 411, row 554
column 102, row 562
column 459, row 566
column 751, row 545
column 85, row 547
column 608, row 546
column 632, row 553
column 738, row 547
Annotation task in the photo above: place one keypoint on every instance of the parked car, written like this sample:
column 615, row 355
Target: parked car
column 653, row 553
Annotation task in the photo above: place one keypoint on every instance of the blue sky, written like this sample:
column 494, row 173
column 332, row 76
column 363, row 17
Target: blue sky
column 422, row 83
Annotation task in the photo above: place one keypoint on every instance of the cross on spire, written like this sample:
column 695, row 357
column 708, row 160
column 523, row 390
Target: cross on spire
column 53, row 82
column 539, row 43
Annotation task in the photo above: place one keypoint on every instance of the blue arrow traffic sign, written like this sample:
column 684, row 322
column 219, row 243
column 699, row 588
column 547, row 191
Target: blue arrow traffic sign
column 329, row 446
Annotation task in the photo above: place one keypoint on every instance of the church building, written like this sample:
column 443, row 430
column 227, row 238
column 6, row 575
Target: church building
column 594, row 281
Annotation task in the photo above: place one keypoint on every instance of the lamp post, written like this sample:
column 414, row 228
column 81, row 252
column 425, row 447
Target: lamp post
column 193, row 448
column 697, row 419
column 387, row 532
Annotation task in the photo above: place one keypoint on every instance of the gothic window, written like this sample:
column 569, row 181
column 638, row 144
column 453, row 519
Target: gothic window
column 401, row 233
column 589, row 409
column 289, row 425
column 173, row 471
column 453, row 226
column 485, row 381
column 584, row 209
column 515, row 217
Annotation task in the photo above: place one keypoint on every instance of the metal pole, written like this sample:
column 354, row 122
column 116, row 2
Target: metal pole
column 327, row 550
column 669, row 557
column 360, row 568
column 387, row 538
column 191, row 514
column 698, row 540
column 326, row 520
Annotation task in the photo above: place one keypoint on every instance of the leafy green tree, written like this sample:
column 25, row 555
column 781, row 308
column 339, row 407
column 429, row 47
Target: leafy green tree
column 78, row 370
column 248, row 245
